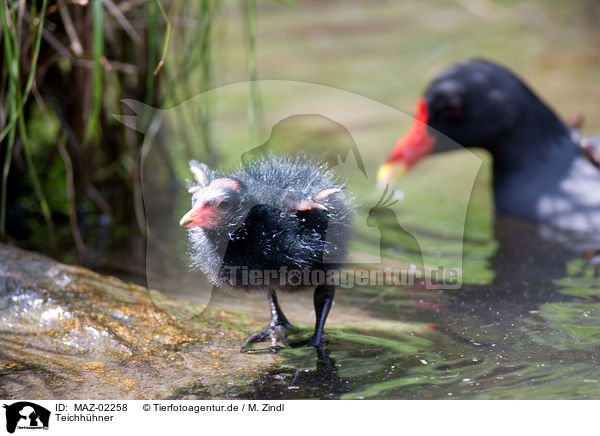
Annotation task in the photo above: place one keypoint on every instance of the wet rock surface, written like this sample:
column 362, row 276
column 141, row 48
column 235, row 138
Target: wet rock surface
column 69, row 333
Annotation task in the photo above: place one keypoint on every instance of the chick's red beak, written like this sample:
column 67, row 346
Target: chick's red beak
column 409, row 149
column 203, row 216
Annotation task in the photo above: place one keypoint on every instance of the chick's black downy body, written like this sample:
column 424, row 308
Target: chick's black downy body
column 274, row 243
column 279, row 223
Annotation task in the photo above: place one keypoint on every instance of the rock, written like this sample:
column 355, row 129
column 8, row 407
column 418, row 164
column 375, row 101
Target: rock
column 69, row 333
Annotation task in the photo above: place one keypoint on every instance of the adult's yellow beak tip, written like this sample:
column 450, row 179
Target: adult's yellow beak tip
column 389, row 172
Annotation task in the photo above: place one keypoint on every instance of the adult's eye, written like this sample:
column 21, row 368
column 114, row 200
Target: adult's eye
column 453, row 107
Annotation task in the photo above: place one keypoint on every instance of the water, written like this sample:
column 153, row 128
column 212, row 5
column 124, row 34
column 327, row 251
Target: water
column 531, row 332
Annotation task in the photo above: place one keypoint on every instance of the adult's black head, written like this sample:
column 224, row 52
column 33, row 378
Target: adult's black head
column 477, row 103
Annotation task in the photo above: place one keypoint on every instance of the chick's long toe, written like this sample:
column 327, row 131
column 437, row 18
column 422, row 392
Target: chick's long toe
column 277, row 326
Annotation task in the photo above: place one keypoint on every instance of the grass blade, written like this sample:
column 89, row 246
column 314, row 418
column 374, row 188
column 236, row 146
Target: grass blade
column 167, row 37
column 98, row 25
column 16, row 104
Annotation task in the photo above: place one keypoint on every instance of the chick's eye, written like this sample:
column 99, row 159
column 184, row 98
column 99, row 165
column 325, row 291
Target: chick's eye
column 224, row 205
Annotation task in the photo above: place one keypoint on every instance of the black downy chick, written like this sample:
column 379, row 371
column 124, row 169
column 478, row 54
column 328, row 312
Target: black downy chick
column 269, row 226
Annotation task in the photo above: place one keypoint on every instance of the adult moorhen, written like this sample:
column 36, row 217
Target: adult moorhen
column 540, row 171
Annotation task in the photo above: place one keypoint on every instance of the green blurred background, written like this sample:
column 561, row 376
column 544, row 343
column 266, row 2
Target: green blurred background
column 71, row 171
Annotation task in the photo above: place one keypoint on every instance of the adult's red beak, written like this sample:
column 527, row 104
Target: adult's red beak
column 409, row 149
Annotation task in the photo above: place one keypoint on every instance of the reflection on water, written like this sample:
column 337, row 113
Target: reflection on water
column 301, row 378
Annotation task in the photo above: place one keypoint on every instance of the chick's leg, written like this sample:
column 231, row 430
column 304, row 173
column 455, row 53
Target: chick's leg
column 277, row 326
column 323, row 299
column 277, row 316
